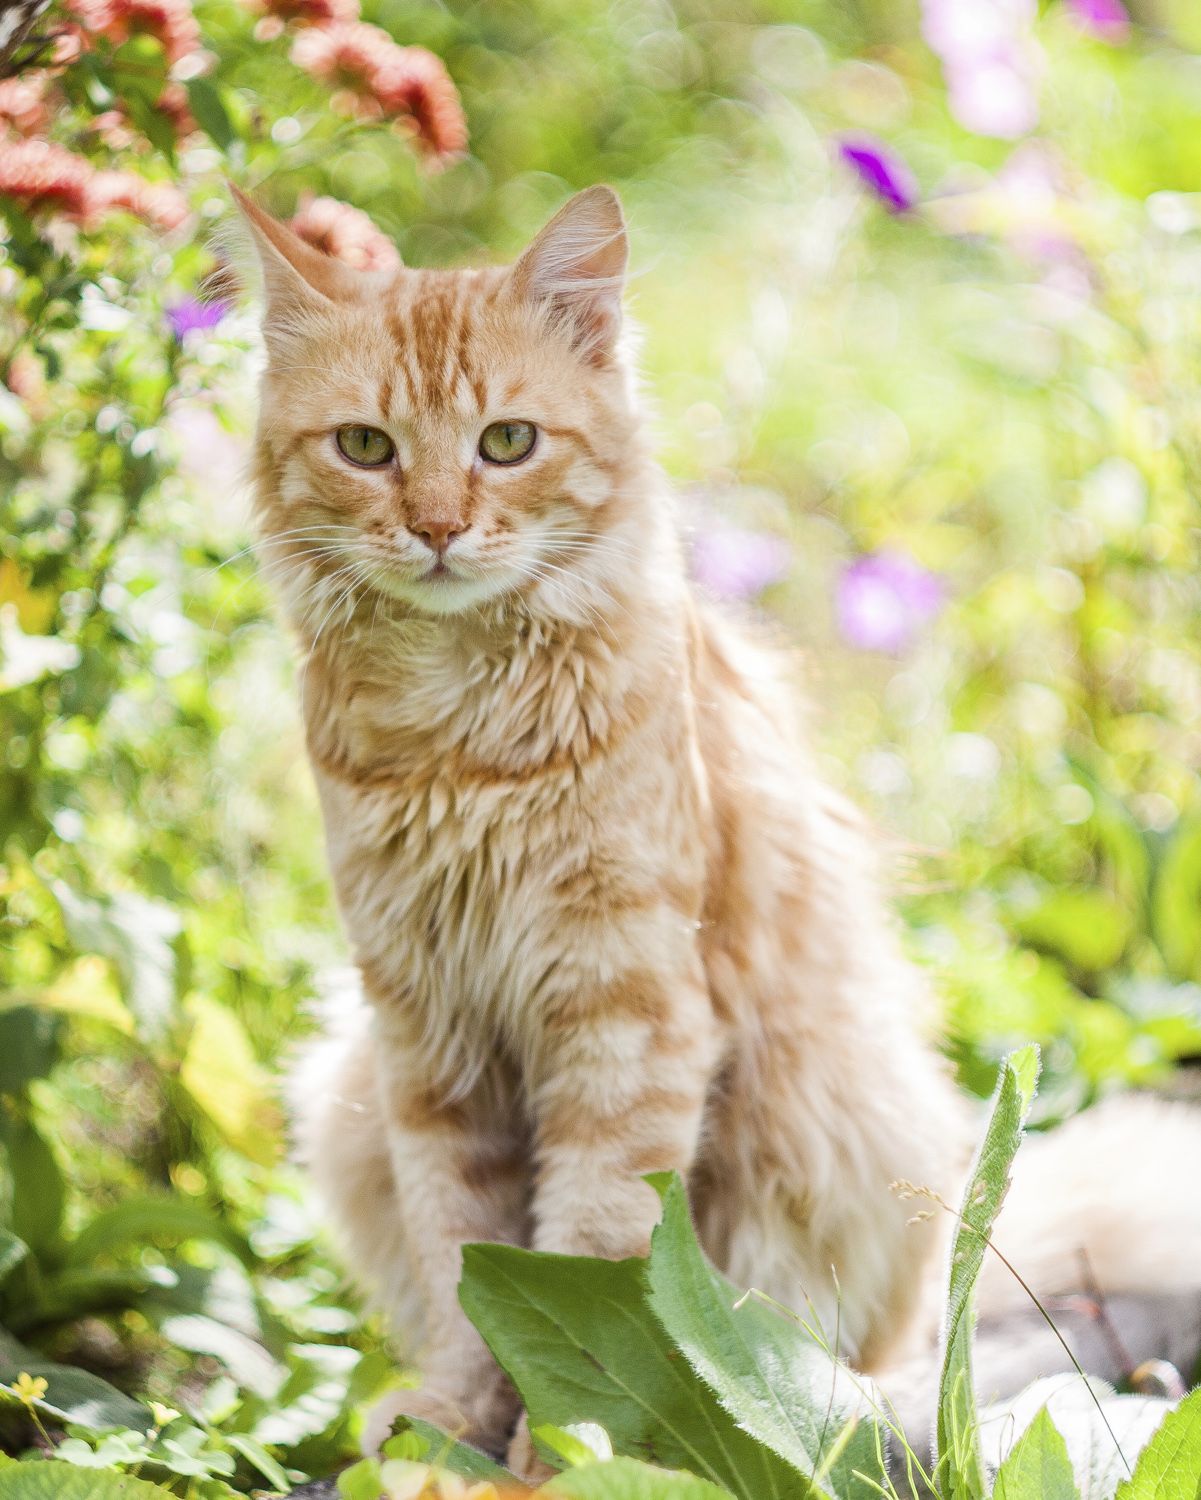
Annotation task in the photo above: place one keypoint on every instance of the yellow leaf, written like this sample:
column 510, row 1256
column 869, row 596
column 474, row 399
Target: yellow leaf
column 224, row 1077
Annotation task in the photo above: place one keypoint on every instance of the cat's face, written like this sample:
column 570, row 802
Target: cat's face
column 446, row 438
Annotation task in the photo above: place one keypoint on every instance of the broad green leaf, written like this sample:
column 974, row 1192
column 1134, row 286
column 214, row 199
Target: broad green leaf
column 769, row 1374
column 28, row 1046
column 12, row 1252
column 38, row 1190
column 257, row 1455
column 1038, row 1466
column 208, row 109
column 960, row 1465
column 223, row 1076
column 627, row 1479
column 580, row 1343
column 147, row 1217
column 581, row 1443
column 137, row 936
column 446, row 1452
column 1176, row 902
column 1086, row 926
column 72, row 1395
column 52, row 1481
column 361, row 1481
column 1169, row 1467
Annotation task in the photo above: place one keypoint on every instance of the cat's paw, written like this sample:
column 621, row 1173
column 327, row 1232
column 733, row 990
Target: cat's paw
column 523, row 1459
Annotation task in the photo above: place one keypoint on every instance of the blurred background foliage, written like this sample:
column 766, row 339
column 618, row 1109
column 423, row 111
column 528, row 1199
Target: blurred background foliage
column 919, row 293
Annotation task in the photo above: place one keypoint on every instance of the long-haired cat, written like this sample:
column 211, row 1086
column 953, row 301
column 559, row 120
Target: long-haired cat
column 607, row 918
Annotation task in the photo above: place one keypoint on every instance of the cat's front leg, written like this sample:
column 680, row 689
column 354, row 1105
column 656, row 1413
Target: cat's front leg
column 461, row 1175
column 620, row 1088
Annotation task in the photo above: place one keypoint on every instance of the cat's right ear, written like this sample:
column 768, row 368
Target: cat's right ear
column 296, row 278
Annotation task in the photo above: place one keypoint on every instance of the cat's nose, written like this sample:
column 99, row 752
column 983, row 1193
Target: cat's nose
column 438, row 535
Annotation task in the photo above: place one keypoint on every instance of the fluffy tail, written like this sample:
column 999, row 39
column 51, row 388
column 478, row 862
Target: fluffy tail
column 1108, row 1204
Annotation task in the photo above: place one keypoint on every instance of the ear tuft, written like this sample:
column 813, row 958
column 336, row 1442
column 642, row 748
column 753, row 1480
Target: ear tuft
column 296, row 277
column 576, row 268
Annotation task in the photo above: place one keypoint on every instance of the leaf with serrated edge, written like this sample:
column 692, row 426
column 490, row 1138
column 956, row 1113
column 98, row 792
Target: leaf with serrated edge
column 627, row 1479
column 1170, row 1465
column 580, row 1344
column 772, row 1377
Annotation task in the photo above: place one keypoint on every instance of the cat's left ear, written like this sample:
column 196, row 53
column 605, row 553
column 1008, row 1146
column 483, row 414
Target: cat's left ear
column 576, row 267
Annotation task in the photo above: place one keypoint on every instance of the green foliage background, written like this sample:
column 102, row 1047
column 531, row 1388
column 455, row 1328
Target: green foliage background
column 1017, row 416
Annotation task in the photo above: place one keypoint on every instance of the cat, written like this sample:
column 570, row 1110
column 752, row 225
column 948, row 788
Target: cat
column 608, row 920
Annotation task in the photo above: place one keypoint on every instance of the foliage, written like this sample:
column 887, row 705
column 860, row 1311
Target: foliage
column 925, row 389
column 650, row 1358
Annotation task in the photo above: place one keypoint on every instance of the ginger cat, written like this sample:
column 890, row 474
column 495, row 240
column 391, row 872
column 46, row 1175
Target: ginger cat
column 607, row 919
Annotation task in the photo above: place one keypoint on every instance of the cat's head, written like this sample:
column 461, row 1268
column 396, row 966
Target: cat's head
column 448, row 438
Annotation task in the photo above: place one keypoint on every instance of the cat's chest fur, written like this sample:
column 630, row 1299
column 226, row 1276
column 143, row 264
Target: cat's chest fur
column 484, row 807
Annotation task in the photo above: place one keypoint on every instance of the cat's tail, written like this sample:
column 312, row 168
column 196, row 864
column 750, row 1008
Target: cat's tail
column 1106, row 1205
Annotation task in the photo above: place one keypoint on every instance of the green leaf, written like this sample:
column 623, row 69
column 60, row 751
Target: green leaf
column 1086, row 926
column 772, row 1376
column 38, row 1190
column 959, row 1460
column 627, row 1479
column 361, row 1481
column 448, row 1453
column 1176, row 902
column 1038, row 1466
column 28, row 1046
column 223, row 1076
column 51, row 1481
column 12, row 1252
column 257, row 1456
column 208, row 110
column 580, row 1343
column 1169, row 1467
column 582, row 1443
column 149, row 1217
column 72, row 1395
column 137, row 936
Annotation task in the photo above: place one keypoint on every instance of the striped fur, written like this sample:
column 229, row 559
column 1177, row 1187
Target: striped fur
column 607, row 919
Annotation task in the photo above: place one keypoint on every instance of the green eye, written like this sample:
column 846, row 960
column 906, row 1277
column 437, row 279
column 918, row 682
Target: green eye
column 365, row 445
column 508, row 442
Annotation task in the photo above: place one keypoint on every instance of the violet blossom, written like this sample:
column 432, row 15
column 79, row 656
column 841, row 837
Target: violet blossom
column 1106, row 19
column 881, row 170
column 733, row 563
column 883, row 600
column 190, row 315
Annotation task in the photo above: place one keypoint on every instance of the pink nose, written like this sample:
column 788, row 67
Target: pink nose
column 438, row 535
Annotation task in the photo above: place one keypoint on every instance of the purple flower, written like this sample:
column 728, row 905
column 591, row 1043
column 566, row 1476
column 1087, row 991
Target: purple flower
column 883, row 600
column 1106, row 19
column 737, row 564
column 881, row 170
column 190, row 315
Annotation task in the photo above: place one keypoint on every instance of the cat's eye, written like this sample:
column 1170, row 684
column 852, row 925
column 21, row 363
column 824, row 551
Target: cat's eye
column 508, row 442
column 367, row 446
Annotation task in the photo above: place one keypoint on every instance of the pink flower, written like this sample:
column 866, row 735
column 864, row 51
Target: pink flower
column 881, row 170
column 41, row 174
column 346, row 233
column 383, row 80
column 733, row 563
column 1106, row 19
column 157, row 203
column 990, row 61
column 310, row 12
column 170, row 21
column 883, row 599
column 23, row 103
